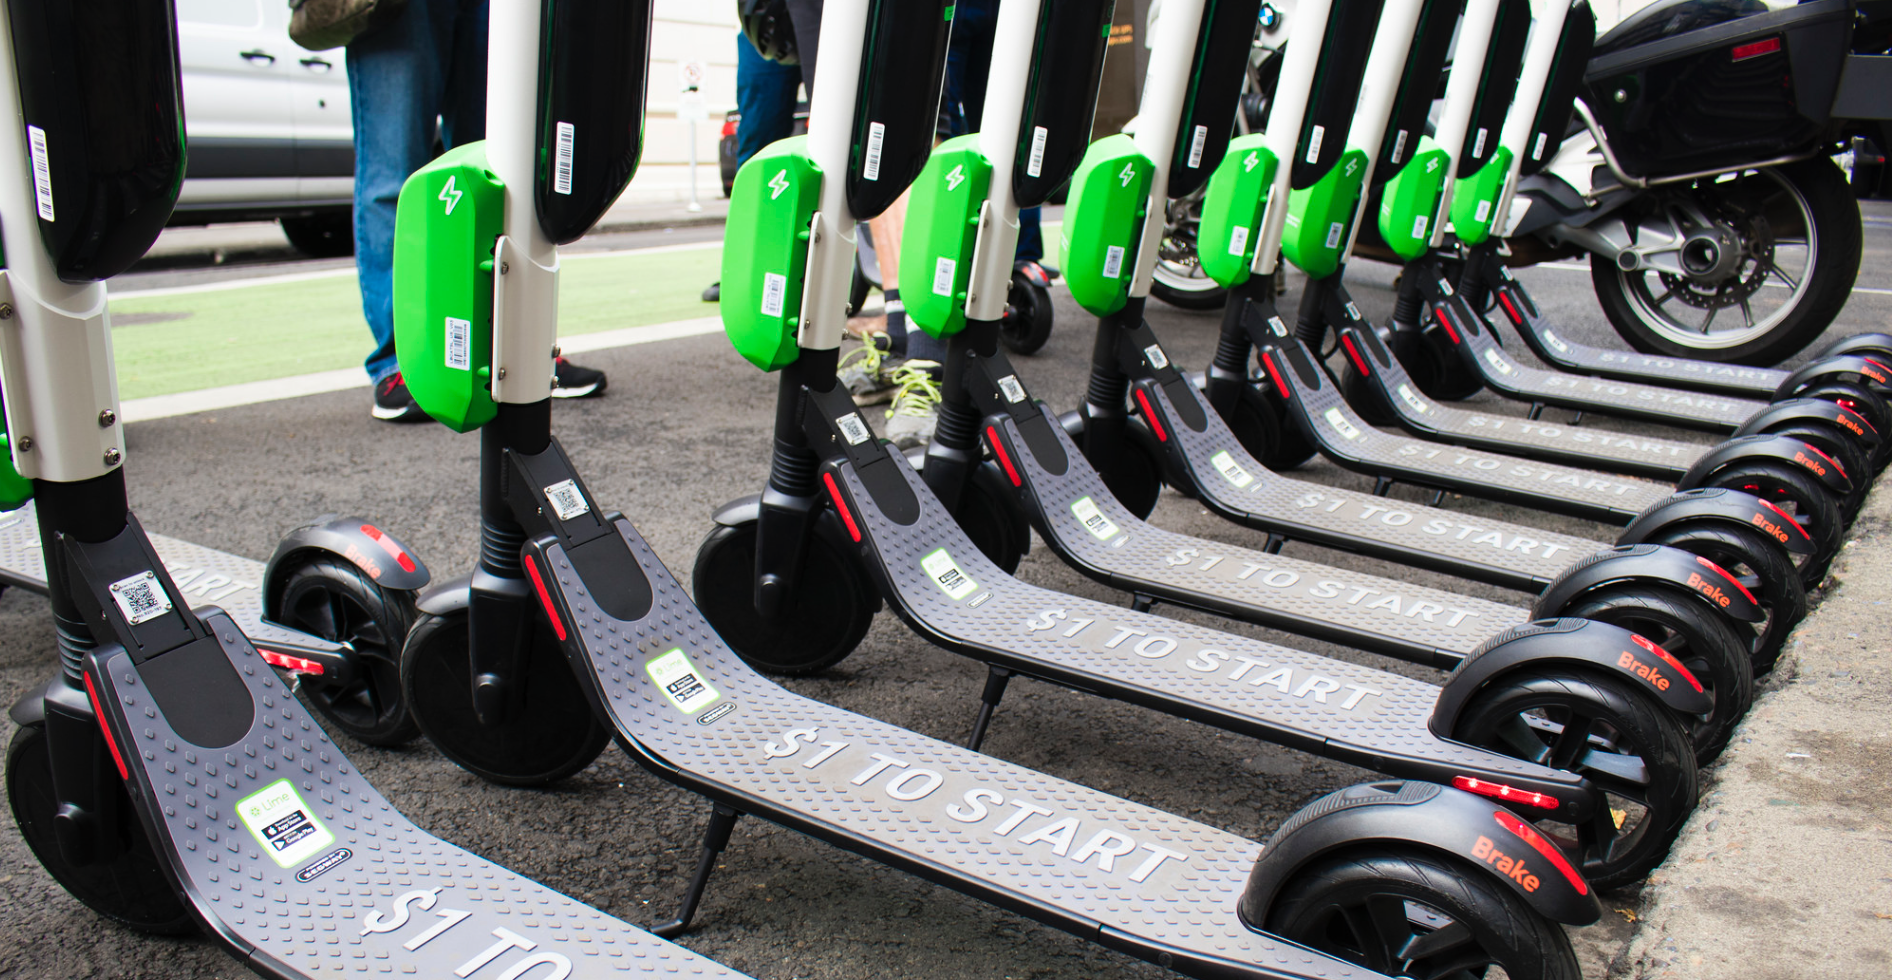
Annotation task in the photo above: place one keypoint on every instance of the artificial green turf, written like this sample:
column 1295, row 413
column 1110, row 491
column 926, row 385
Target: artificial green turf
column 278, row 330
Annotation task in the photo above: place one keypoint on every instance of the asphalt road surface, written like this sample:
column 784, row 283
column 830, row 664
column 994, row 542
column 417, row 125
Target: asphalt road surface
column 683, row 429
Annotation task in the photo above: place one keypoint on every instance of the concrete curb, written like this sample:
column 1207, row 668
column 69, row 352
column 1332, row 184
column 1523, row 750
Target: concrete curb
column 1785, row 870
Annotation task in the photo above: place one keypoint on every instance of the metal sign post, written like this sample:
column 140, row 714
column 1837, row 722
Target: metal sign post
column 691, row 109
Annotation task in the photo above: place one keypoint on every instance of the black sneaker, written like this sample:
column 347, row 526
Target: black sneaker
column 392, row 403
column 713, row 292
column 572, row 381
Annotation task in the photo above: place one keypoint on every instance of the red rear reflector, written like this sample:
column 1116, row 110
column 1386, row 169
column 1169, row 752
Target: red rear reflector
column 1731, row 580
column 1674, row 664
column 998, row 449
column 1280, row 386
column 840, row 507
column 1743, row 52
column 545, row 599
column 1789, row 521
column 1525, row 833
column 1509, row 310
column 1509, row 794
column 1359, row 364
column 1446, row 322
column 387, row 544
column 98, row 711
column 1149, row 413
column 288, row 662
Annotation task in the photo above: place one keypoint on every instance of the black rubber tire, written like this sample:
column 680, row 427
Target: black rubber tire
column 1833, row 267
column 833, row 606
column 554, row 734
column 991, row 525
column 1761, row 565
column 1850, row 455
column 1364, row 398
column 1433, row 363
column 1705, row 641
column 1628, row 717
column 1501, row 929
column 1869, row 404
column 335, row 600
column 328, row 235
column 1289, row 447
column 1817, row 511
column 130, row 889
column 857, row 289
column 1137, row 477
column 1028, row 316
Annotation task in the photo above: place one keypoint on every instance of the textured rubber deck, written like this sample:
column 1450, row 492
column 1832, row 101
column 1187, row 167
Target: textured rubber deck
column 345, row 886
column 1643, row 455
column 1349, row 440
column 1116, row 872
column 203, row 575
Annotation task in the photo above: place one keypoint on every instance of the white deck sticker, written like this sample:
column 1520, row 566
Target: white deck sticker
column 854, row 429
column 284, row 824
column 1113, row 261
column 774, row 292
column 677, row 678
column 1154, row 354
column 42, row 171
column 1552, row 339
column 562, row 166
column 1340, row 424
column 943, row 271
column 1333, row 234
column 1196, row 143
column 946, row 574
column 876, row 136
column 1497, row 360
column 1313, row 143
column 140, row 598
column 459, row 344
column 1036, row 164
column 1094, row 520
column 1238, row 240
column 1231, row 470
column 567, row 500
column 1407, row 395
column 1014, row 392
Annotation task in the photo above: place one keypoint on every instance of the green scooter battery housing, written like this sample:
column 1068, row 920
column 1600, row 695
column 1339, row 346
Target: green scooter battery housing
column 450, row 216
column 942, row 230
column 1232, row 209
column 1410, row 200
column 1475, row 198
column 1103, row 223
column 771, row 209
column 1320, row 215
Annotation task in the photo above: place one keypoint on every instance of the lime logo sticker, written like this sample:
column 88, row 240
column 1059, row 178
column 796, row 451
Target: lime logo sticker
column 1552, row 339
column 1231, row 470
column 1127, row 174
column 1238, row 240
column 567, row 500
column 778, row 184
column 677, row 678
column 1094, row 520
column 284, row 824
column 1249, row 162
column 943, row 271
column 1113, row 261
column 450, row 195
column 955, row 177
column 946, row 574
column 1497, row 360
column 1341, row 425
column 1014, row 392
column 1407, row 395
column 1154, row 354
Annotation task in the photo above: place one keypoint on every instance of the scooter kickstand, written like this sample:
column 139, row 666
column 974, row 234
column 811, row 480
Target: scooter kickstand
column 1381, row 485
column 995, row 680
column 1142, row 603
column 1275, row 541
column 716, row 837
column 1537, row 411
column 1438, row 497
column 1576, row 419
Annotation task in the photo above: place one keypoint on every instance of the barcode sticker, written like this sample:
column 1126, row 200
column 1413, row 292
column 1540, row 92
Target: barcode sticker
column 1154, row 354
column 1483, row 212
column 876, row 135
column 1341, row 425
column 283, row 823
column 562, row 159
column 1113, row 261
column 1313, row 143
column 946, row 574
column 1419, row 226
column 1399, row 145
column 459, row 344
column 1085, row 509
column 1195, row 146
column 677, row 678
column 943, row 276
column 1478, row 143
column 42, row 171
column 1238, row 240
column 1036, row 164
column 1407, row 395
column 1231, row 470
column 140, row 598
column 853, row 429
column 1014, row 392
column 1537, row 148
column 1333, row 234
column 567, row 500
column 774, row 291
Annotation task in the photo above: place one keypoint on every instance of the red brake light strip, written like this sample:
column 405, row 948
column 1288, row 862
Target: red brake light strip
column 1359, row 362
column 1509, row 794
column 1785, row 519
column 1149, row 413
column 840, row 507
column 1005, row 459
column 98, row 711
column 1731, row 579
column 545, row 599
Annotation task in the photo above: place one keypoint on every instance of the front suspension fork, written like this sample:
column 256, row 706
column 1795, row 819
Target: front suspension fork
column 954, row 455
column 502, row 614
column 790, row 500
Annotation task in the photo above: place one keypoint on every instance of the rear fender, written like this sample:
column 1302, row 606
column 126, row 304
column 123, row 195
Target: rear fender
column 390, row 563
column 1790, row 450
column 1467, row 829
column 1845, row 422
column 449, row 598
column 1719, row 504
column 1852, row 368
column 1671, row 566
column 1877, row 346
column 1576, row 642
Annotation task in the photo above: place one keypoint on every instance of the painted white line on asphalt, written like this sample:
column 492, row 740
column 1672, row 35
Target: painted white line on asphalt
column 278, row 389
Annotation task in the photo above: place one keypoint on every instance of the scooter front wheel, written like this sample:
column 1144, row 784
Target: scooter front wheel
column 1028, row 316
column 552, row 733
column 1413, row 913
column 129, row 888
column 1618, row 737
column 338, row 602
column 1135, row 475
column 823, row 621
column 1806, row 502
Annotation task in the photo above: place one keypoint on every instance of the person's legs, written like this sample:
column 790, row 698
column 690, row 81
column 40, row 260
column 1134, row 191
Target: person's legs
column 1031, row 236
column 805, row 15
column 765, row 95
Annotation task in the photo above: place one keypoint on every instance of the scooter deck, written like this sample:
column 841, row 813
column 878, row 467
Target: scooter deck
column 1641, row 455
column 1349, row 440
column 298, row 865
column 203, row 575
column 1118, row 873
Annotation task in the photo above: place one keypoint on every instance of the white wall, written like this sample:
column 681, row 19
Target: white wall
column 689, row 30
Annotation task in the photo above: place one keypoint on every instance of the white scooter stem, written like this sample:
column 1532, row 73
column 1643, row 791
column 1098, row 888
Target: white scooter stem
column 1461, row 97
column 830, row 272
column 1015, row 37
column 1165, row 87
column 525, row 283
column 1547, row 28
column 1379, row 86
column 1288, row 110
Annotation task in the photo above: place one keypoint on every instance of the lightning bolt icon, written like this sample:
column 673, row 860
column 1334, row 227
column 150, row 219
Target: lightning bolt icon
column 1249, row 164
column 449, row 195
column 779, row 183
column 955, row 177
column 1128, row 174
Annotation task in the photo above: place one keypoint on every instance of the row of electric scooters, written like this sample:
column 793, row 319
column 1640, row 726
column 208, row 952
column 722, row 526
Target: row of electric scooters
column 170, row 777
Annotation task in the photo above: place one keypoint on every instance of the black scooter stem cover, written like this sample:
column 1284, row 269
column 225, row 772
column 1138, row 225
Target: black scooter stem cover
column 1067, row 68
column 903, row 70
column 594, row 73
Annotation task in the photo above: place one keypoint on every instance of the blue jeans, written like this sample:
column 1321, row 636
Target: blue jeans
column 765, row 95
column 426, row 70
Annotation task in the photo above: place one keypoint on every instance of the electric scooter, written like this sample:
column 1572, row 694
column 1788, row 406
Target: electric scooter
column 846, row 522
column 165, row 777
column 565, row 589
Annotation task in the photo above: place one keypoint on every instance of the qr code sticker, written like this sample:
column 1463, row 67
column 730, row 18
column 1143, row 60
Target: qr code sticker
column 854, row 430
column 140, row 598
column 567, row 500
column 1014, row 392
